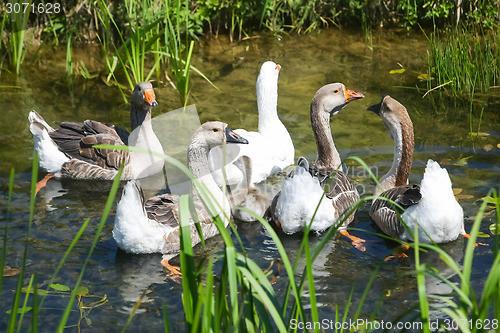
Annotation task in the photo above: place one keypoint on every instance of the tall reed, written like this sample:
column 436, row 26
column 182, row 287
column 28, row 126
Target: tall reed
column 463, row 60
column 17, row 46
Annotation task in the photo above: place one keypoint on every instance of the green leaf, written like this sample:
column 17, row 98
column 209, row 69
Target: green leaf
column 490, row 200
column 59, row 287
column 482, row 235
column 494, row 227
column 423, row 77
column 81, row 291
column 40, row 292
column 397, row 71
column 21, row 310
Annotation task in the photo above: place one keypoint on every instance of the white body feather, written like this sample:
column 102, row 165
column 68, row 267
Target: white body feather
column 438, row 214
column 297, row 204
column 50, row 157
column 133, row 231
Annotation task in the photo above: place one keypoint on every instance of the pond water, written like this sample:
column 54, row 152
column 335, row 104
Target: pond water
column 441, row 132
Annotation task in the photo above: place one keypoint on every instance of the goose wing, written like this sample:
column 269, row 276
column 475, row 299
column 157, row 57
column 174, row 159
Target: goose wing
column 385, row 214
column 163, row 209
column 77, row 140
column 341, row 189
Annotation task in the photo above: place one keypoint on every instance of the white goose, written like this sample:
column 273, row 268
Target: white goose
column 152, row 226
column 270, row 149
column 68, row 152
column 295, row 206
column 432, row 205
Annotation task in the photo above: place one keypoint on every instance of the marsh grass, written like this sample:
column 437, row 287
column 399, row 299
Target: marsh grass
column 17, row 45
column 239, row 295
column 136, row 44
column 463, row 60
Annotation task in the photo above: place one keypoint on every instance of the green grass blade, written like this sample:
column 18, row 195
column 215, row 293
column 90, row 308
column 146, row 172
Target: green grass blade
column 105, row 214
column 7, row 217
column 13, row 315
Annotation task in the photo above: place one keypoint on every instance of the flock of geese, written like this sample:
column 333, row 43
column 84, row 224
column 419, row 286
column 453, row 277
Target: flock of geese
column 228, row 164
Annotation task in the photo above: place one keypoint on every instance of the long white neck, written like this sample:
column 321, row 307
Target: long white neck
column 267, row 101
column 198, row 164
column 328, row 156
column 143, row 136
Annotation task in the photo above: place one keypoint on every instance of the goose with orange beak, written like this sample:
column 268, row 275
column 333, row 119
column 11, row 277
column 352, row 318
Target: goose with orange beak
column 321, row 183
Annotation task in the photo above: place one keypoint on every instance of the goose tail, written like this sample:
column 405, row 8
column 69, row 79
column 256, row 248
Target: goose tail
column 50, row 157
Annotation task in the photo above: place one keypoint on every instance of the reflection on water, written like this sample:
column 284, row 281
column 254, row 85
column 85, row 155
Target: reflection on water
column 308, row 62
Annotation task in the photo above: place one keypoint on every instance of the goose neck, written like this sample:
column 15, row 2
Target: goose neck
column 139, row 115
column 403, row 156
column 328, row 156
column 267, row 101
column 198, row 165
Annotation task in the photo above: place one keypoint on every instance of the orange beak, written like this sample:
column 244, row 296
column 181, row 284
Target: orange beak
column 278, row 67
column 149, row 97
column 351, row 95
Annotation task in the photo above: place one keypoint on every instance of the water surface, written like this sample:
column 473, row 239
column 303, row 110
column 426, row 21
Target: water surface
column 442, row 132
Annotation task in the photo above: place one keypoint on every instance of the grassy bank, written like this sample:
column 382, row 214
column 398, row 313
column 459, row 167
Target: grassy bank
column 154, row 39
column 242, row 298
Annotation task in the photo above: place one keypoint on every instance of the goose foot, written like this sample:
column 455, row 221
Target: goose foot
column 475, row 244
column 275, row 275
column 400, row 253
column 356, row 241
column 41, row 184
column 175, row 272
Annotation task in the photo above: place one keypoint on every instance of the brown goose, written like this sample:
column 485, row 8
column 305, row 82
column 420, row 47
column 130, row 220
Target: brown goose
column 294, row 207
column 430, row 205
column 152, row 226
column 68, row 151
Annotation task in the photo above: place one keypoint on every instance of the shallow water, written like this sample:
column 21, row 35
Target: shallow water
column 308, row 62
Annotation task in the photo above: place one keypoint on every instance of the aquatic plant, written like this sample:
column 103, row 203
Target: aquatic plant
column 242, row 296
column 141, row 39
column 463, row 61
column 18, row 43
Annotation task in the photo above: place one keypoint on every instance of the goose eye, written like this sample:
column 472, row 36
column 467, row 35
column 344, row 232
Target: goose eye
column 335, row 91
column 215, row 129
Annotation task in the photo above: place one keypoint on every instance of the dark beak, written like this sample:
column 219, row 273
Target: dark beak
column 232, row 137
column 375, row 108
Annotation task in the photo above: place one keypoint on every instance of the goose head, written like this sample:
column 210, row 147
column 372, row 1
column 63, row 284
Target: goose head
column 267, row 83
column 269, row 72
column 333, row 97
column 393, row 114
column 214, row 133
column 143, row 96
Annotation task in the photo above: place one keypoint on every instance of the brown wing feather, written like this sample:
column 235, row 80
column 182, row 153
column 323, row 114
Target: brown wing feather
column 163, row 209
column 77, row 141
column 342, row 190
column 383, row 213
column 343, row 194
